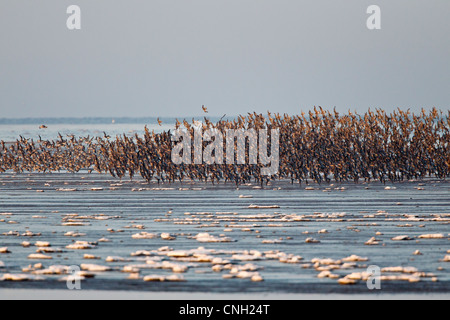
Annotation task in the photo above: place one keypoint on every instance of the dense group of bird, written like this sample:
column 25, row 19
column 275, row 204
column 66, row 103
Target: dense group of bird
column 317, row 146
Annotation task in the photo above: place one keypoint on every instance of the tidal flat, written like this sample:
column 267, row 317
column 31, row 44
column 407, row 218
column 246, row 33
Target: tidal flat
column 282, row 238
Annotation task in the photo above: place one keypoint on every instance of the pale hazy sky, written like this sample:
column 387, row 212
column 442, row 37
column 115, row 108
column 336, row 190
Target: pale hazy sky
column 168, row 57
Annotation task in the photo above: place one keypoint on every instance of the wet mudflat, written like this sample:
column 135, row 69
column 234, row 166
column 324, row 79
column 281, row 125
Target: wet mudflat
column 217, row 238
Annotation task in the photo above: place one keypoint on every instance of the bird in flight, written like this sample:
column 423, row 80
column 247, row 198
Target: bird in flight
column 159, row 121
column 204, row 109
column 43, row 126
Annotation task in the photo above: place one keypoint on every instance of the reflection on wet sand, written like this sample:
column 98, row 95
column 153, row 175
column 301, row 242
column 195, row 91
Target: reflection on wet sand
column 199, row 237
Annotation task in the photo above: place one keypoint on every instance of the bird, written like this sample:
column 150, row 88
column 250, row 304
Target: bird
column 205, row 110
column 43, row 126
column 375, row 145
column 159, row 121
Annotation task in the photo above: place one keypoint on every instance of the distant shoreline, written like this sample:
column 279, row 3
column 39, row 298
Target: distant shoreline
column 99, row 120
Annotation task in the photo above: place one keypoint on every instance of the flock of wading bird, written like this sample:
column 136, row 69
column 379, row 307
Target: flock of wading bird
column 318, row 146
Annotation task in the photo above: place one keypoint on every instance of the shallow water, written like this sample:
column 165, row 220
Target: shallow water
column 351, row 217
column 11, row 132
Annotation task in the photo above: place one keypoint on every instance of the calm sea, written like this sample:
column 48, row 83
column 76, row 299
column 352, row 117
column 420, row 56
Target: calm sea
column 12, row 129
